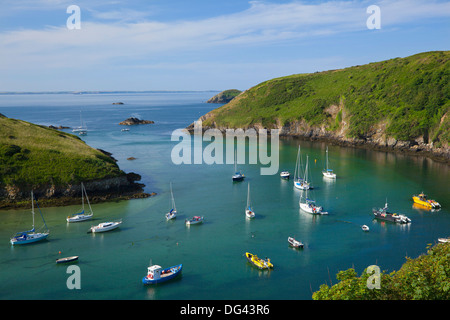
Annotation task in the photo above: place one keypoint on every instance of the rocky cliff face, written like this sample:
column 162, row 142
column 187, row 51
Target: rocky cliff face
column 122, row 187
column 376, row 138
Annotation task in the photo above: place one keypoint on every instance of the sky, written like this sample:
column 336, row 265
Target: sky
column 140, row 45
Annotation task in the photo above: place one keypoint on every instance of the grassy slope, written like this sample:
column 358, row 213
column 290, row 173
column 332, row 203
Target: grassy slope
column 411, row 95
column 36, row 155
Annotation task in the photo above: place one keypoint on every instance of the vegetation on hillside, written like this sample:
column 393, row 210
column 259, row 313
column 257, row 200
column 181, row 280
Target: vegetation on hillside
column 33, row 155
column 411, row 96
column 424, row 278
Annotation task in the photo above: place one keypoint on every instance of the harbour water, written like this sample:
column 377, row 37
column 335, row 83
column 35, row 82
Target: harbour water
column 113, row 264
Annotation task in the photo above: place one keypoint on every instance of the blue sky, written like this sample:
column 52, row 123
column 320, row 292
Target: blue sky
column 203, row 44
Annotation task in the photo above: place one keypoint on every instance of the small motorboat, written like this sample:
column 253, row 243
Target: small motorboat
column 365, row 228
column 156, row 274
column 294, row 243
column 444, row 240
column 258, row 262
column 67, row 259
column 105, row 226
column 285, row 175
column 194, row 220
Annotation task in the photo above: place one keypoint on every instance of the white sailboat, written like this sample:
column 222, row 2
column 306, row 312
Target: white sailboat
column 309, row 205
column 30, row 236
column 82, row 129
column 82, row 216
column 249, row 213
column 172, row 214
column 328, row 173
column 297, row 179
column 304, row 184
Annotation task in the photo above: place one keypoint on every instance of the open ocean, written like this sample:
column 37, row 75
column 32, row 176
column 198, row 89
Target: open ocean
column 113, row 264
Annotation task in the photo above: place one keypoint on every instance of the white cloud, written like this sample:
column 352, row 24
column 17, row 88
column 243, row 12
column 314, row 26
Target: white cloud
column 109, row 38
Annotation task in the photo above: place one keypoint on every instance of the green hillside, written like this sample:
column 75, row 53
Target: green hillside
column 32, row 155
column 409, row 96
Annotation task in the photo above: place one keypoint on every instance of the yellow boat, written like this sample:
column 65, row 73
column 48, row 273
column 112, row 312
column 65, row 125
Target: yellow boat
column 258, row 262
column 422, row 200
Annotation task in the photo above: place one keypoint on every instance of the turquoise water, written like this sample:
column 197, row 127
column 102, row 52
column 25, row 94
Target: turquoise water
column 112, row 264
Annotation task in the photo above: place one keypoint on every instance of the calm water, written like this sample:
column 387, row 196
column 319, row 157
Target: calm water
column 113, row 264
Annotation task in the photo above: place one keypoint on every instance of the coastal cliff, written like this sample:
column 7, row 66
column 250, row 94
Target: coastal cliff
column 53, row 164
column 394, row 105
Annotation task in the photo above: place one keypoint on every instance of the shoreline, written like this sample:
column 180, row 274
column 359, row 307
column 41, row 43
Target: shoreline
column 119, row 188
column 410, row 148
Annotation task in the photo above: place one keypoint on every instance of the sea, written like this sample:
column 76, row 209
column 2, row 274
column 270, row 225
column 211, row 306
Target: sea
column 111, row 265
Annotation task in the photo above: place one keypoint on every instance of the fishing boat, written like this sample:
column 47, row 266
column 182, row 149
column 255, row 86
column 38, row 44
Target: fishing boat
column 67, row 259
column 304, row 184
column 258, row 262
column 172, row 214
column 365, row 228
column 285, row 175
column 105, row 226
column 309, row 205
column 249, row 213
column 294, row 243
column 82, row 216
column 238, row 175
column 297, row 175
column 328, row 173
column 194, row 220
column 30, row 236
column 423, row 200
column 156, row 274
column 383, row 214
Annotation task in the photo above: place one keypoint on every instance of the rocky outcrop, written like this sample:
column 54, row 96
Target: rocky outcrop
column 116, row 188
column 224, row 96
column 133, row 121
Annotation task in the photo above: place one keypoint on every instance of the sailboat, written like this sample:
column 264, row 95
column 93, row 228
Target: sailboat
column 173, row 210
column 238, row 176
column 82, row 216
column 328, row 173
column 30, row 236
column 304, row 184
column 309, row 205
column 81, row 130
column 297, row 180
column 249, row 213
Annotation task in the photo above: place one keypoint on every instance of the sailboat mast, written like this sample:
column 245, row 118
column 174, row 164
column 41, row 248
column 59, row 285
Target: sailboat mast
column 32, row 207
column 248, row 196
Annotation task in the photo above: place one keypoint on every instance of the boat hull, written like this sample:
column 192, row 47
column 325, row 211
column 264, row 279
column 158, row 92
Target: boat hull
column 29, row 239
column 258, row 262
column 175, row 271
column 66, row 260
column 79, row 218
column 194, row 221
column 391, row 217
column 314, row 210
column 104, row 228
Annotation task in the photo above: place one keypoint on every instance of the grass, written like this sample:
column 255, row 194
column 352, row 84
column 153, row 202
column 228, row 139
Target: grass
column 410, row 94
column 32, row 155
